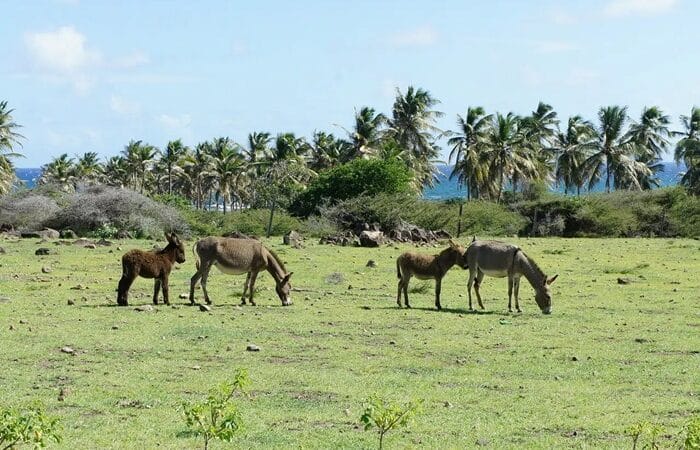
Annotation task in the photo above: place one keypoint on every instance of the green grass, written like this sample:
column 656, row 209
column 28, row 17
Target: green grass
column 509, row 379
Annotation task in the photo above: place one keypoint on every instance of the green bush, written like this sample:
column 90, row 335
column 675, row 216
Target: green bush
column 248, row 221
column 358, row 177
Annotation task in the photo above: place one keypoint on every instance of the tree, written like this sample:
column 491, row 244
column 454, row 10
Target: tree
column 412, row 125
column 467, row 143
column 116, row 171
column 88, row 168
column 196, row 172
column 650, row 137
column 139, row 159
column 688, row 150
column 571, row 149
column 60, row 171
column 612, row 149
column 9, row 138
column 227, row 164
column 327, row 151
column 366, row 134
column 171, row 156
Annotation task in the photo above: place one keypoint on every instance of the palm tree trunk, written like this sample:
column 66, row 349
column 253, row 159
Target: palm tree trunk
column 269, row 223
column 607, row 174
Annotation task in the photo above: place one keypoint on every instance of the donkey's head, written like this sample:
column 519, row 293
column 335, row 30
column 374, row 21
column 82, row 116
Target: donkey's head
column 459, row 253
column 283, row 289
column 175, row 243
column 543, row 295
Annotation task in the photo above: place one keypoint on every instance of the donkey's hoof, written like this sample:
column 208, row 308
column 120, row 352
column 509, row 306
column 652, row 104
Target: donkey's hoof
column 286, row 303
column 207, row 301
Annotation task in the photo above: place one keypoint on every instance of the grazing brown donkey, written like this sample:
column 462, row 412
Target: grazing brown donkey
column 498, row 259
column 427, row 267
column 239, row 256
column 153, row 264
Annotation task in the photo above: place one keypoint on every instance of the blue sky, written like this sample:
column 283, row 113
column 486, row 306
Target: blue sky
column 91, row 75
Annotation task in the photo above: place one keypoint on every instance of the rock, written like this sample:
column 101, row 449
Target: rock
column 68, row 350
column 82, row 242
column 371, row 263
column 447, row 404
column 144, row 308
column 2, row 251
column 103, row 243
column 90, row 246
column 115, row 327
column 78, row 287
column 71, row 302
column 123, row 234
column 68, row 234
column 293, row 238
column 196, row 367
column 392, row 342
column 482, row 442
column 573, row 358
column 183, row 296
column 252, row 348
column 42, row 251
column 371, row 238
column 46, row 269
column 623, row 281
column 204, row 308
column 23, row 322
column 46, row 233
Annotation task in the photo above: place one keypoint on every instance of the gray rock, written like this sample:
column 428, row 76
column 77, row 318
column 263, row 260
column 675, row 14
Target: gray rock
column 46, row 269
column 68, row 350
column 371, row 263
column 623, row 281
column 293, row 238
column 71, row 302
column 252, row 348
column 204, row 308
column 68, row 234
column 371, row 238
column 482, row 442
column 144, row 308
column 42, row 251
column 123, row 234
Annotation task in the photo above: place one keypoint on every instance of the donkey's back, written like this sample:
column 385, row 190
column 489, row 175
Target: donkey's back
column 231, row 255
column 494, row 258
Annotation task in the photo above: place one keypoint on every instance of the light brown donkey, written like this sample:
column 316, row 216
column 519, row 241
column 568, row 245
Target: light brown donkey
column 427, row 267
column 498, row 259
column 236, row 257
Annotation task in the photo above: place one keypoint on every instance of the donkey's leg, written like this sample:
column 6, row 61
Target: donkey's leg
column 438, row 288
column 245, row 288
column 510, row 292
column 470, row 283
column 398, row 293
column 205, row 276
column 253, row 277
column 156, row 288
column 193, row 282
column 405, row 292
column 166, row 289
column 516, row 288
column 125, row 283
column 477, row 285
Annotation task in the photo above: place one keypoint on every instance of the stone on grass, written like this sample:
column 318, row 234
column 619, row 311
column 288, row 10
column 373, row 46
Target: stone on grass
column 204, row 308
column 183, row 296
column 252, row 348
column 71, row 302
column 42, row 251
column 68, row 350
column 144, row 308
column 371, row 263
column 46, row 269
column 623, row 281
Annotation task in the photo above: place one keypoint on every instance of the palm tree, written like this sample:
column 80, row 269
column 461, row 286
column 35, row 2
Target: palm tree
column 171, row 155
column 467, row 144
column 9, row 138
column 366, row 135
column 650, row 136
column 139, row 158
column 508, row 153
column 327, row 151
column 612, row 149
column 196, row 172
column 572, row 148
column 412, row 125
column 60, row 171
column 88, row 168
column 116, row 171
column 688, row 150
column 227, row 165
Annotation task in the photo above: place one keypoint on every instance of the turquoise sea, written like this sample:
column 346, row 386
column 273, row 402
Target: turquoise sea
column 444, row 189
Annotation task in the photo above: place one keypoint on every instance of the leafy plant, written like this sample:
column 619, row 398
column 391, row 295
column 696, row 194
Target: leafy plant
column 105, row 231
column 387, row 415
column 30, row 426
column 639, row 429
column 217, row 417
column 692, row 437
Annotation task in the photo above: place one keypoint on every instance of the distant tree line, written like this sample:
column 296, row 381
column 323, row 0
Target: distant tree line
column 491, row 153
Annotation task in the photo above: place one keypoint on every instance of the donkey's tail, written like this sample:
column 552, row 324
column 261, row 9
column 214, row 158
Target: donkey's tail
column 196, row 255
column 398, row 267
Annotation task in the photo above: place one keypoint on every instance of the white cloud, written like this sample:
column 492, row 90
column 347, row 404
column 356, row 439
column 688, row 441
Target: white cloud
column 174, row 122
column 123, row 106
column 617, row 8
column 63, row 50
column 554, row 46
column 419, row 37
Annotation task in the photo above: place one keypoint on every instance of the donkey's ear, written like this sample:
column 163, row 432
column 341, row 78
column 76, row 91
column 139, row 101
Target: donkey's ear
column 287, row 277
column 175, row 238
column 474, row 238
column 168, row 237
column 551, row 280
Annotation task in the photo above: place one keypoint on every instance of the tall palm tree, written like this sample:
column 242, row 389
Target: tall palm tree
column 571, row 149
column 413, row 126
column 650, row 137
column 169, row 159
column 60, row 171
column 366, row 135
column 227, row 165
column 116, row 171
column 508, row 153
column 139, row 158
column 467, row 144
column 612, row 149
column 688, row 150
column 196, row 173
column 9, row 138
column 327, row 151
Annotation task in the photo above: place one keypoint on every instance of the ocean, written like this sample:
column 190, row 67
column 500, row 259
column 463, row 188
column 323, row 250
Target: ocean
column 444, row 189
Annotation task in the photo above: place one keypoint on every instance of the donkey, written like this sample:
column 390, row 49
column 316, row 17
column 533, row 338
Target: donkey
column 153, row 264
column 426, row 267
column 498, row 259
column 238, row 256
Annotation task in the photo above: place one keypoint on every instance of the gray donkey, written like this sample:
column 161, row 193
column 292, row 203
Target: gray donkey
column 426, row 267
column 238, row 256
column 498, row 259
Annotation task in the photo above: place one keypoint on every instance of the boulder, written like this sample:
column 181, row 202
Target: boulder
column 123, row 234
column 371, row 238
column 68, row 234
column 42, row 251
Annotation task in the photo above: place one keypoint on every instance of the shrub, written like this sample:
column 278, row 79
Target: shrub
column 358, row 177
column 27, row 210
column 95, row 207
column 692, row 433
column 386, row 415
column 248, row 221
column 27, row 426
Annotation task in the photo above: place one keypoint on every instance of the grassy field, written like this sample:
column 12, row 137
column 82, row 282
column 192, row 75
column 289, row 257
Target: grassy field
column 610, row 354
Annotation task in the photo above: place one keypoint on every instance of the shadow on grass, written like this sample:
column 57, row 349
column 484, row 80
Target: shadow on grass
column 443, row 310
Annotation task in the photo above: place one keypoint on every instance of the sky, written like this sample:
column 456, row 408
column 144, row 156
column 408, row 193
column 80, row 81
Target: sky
column 91, row 75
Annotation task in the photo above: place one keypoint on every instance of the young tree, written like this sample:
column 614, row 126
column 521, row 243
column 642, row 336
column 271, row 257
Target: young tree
column 9, row 139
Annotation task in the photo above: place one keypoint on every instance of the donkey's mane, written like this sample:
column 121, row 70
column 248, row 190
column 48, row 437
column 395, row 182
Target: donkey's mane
column 534, row 265
column 277, row 258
